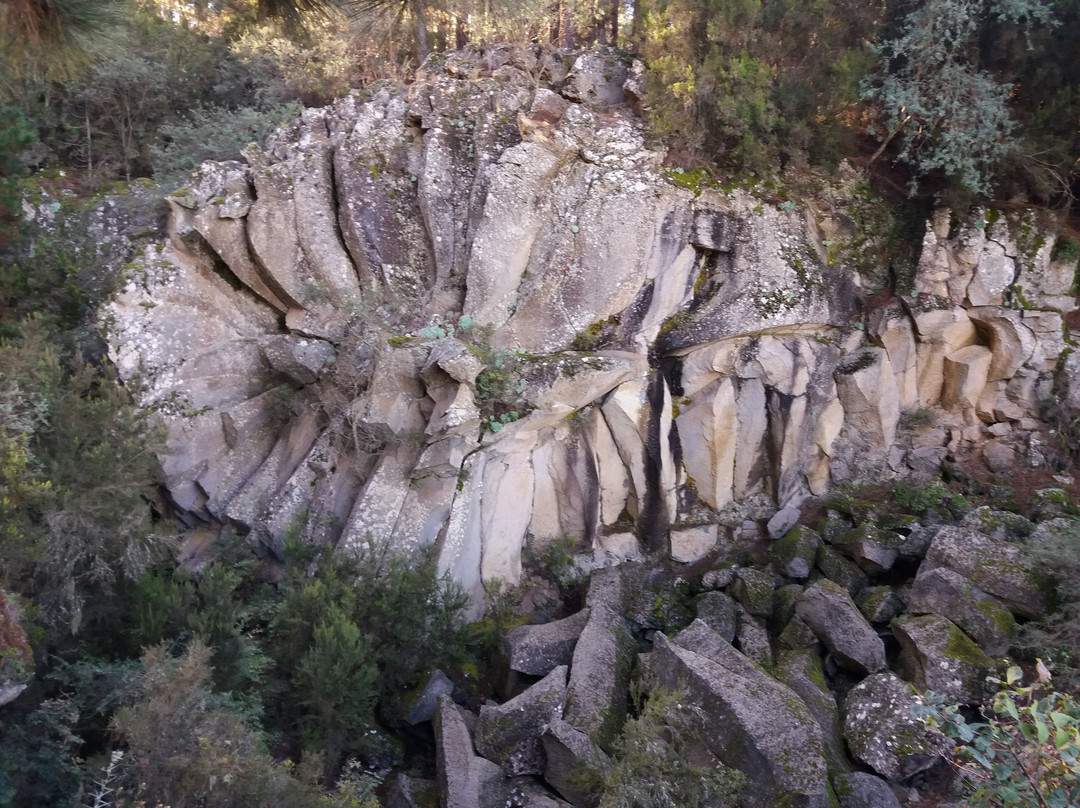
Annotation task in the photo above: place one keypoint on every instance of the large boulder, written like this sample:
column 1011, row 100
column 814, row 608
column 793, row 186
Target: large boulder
column 949, row 594
column 538, row 650
column 999, row 568
column 509, row 734
column 602, row 661
column 862, row 790
column 938, row 656
column 754, row 723
column 569, row 752
column 881, row 730
column 829, row 610
column 465, row 779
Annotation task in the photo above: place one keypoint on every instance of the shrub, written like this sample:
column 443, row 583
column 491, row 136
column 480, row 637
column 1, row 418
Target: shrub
column 214, row 133
column 1024, row 754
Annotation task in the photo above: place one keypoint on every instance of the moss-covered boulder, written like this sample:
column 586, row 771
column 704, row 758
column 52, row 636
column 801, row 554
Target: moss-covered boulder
column 949, row 594
column 936, row 655
column 802, row 672
column 874, row 550
column 794, row 554
column 754, row 590
column 839, row 570
column 999, row 568
column 718, row 612
column 879, row 604
column 881, row 731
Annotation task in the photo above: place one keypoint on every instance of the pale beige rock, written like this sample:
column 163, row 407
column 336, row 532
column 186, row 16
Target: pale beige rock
column 994, row 273
column 750, row 459
column 894, row 332
column 965, row 374
column 1011, row 341
column 830, row 422
column 866, row 388
column 708, row 431
column 613, row 482
column 693, row 543
column 462, row 542
column 940, row 333
column 505, row 515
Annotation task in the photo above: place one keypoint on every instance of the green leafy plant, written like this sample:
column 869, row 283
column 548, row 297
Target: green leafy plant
column 1025, row 753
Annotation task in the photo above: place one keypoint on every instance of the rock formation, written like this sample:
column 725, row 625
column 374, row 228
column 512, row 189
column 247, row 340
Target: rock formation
column 479, row 311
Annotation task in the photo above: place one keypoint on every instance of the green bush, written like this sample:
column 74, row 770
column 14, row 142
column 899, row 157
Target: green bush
column 213, row 133
column 1026, row 752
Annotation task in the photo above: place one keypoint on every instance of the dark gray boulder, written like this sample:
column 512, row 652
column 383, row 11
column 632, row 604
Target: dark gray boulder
column 949, row 594
column 936, row 655
column 538, row 650
column 881, row 731
column 862, row 790
column 753, row 722
column 509, row 734
column 836, row 620
column 465, row 780
column 569, row 752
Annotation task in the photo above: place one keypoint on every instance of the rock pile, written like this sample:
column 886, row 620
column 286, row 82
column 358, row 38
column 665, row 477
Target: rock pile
column 805, row 683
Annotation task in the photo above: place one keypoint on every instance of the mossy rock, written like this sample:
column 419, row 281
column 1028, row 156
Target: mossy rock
column 840, row 571
column 754, row 590
column 937, row 655
column 794, row 554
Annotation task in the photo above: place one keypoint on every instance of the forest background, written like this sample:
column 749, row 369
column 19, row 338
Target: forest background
column 255, row 683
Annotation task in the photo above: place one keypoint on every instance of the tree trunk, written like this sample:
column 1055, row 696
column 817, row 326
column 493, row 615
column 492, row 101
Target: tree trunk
column 637, row 24
column 421, row 30
column 615, row 23
column 461, row 36
column 566, row 24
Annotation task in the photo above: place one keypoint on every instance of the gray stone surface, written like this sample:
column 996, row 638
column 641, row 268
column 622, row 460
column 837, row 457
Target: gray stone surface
column 881, row 731
column 423, row 709
column 568, row 750
column 938, row 656
column 998, row 568
column 465, row 780
column 537, row 650
column 754, row 723
column 949, row 594
column 509, row 734
column 718, row 612
column 829, row 611
column 600, row 675
column 862, row 790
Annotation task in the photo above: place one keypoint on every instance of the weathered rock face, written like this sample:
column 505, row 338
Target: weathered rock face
column 472, row 310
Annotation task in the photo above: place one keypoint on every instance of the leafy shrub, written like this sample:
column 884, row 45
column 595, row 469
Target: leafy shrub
column 214, row 133
column 1026, row 752
column 187, row 747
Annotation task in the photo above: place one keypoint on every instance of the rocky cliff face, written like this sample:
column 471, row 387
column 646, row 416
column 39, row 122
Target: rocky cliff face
column 478, row 311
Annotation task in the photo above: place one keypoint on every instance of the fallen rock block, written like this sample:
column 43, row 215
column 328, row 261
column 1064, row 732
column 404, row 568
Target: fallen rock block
column 753, row 723
column 998, row 568
column 538, row 650
column 950, row 595
column 938, row 656
column 465, row 779
column 568, row 752
column 881, row 731
column 509, row 734
column 829, row 610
